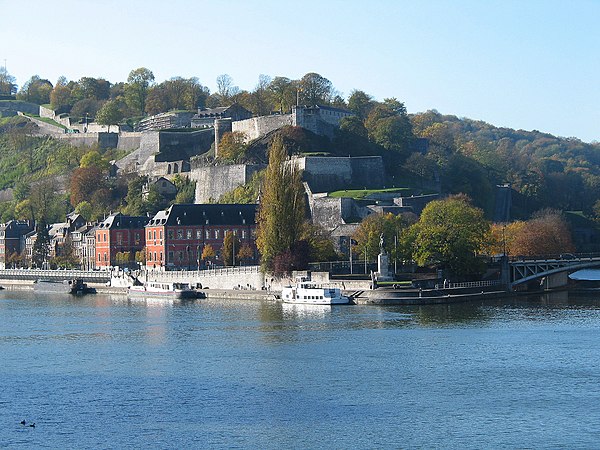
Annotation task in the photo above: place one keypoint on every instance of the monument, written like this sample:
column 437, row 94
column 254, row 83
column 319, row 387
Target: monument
column 383, row 263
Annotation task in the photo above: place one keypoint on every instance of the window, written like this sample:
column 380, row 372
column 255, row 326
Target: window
column 179, row 234
column 243, row 234
column 119, row 238
column 170, row 234
column 180, row 254
column 216, row 234
column 170, row 256
column 207, row 234
column 189, row 234
column 161, row 256
column 149, row 234
column 149, row 256
column 154, row 234
column 198, row 234
column 137, row 238
column 155, row 257
column 160, row 234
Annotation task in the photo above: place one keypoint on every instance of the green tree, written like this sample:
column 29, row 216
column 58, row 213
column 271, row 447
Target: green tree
column 360, row 103
column 368, row 234
column 85, row 209
column 283, row 92
column 138, row 84
column 41, row 246
column 281, row 211
column 110, row 114
column 186, row 189
column 7, row 82
column 315, row 89
column 35, row 90
column 93, row 158
column 450, row 233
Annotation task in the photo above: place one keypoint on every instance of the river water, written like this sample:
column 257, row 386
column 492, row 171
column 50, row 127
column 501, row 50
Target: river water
column 105, row 372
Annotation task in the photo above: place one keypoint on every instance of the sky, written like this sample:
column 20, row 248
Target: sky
column 532, row 65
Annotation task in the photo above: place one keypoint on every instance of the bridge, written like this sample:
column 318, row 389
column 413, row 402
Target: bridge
column 552, row 270
column 89, row 276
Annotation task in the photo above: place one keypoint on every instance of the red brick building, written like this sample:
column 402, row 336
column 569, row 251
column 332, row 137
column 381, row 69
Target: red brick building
column 119, row 234
column 176, row 237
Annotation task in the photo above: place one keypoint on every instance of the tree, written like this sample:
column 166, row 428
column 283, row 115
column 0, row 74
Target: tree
column 35, row 90
column 41, row 246
column 7, row 82
column 389, row 126
column 546, row 233
column 93, row 158
column 283, row 91
column 368, row 234
column 60, row 96
column 260, row 103
column 449, row 233
column 85, row 209
column 186, row 189
column 321, row 246
column 245, row 253
column 232, row 146
column 281, row 211
column 315, row 89
column 85, row 181
column 231, row 244
column 138, row 84
column 360, row 103
column 110, row 114
column 208, row 252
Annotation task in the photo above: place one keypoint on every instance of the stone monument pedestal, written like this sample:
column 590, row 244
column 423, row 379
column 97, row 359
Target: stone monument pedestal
column 383, row 264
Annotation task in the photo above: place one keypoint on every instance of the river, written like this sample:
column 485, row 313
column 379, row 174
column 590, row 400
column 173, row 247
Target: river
column 104, row 372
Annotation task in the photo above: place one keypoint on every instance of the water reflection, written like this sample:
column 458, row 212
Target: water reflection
column 294, row 311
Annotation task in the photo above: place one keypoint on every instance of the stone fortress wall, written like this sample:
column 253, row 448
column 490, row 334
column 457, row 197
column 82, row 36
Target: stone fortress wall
column 259, row 126
column 212, row 181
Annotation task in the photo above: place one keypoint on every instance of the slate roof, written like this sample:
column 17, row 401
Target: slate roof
column 120, row 221
column 206, row 214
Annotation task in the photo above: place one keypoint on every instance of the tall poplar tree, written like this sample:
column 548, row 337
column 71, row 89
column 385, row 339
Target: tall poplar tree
column 281, row 210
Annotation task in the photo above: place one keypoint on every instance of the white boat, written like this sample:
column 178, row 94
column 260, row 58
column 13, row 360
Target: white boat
column 164, row 289
column 307, row 292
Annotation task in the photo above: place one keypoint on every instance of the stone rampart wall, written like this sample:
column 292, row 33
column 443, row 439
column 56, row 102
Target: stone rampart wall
column 129, row 141
column 330, row 212
column 326, row 174
column 214, row 181
column 258, row 126
column 10, row 108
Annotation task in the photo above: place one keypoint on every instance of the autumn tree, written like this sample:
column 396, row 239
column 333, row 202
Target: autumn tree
column 245, row 253
column 281, row 211
column 546, row 233
column 231, row 244
column 232, row 146
column 85, row 181
column 208, row 252
column 449, row 233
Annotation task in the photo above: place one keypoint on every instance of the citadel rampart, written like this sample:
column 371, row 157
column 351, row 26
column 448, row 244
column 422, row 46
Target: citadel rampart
column 326, row 174
column 214, row 181
column 259, row 126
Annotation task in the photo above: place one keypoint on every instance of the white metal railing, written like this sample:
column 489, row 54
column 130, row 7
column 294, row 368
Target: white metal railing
column 188, row 274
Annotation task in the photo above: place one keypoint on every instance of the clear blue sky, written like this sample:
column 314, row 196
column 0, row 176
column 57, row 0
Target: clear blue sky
column 522, row 64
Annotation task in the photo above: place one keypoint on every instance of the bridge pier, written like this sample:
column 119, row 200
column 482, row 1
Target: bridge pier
column 554, row 281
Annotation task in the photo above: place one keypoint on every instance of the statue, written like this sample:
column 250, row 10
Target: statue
column 381, row 243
